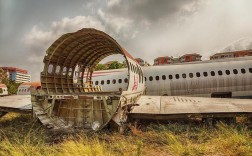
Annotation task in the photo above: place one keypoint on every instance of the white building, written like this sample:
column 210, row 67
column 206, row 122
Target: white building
column 17, row 75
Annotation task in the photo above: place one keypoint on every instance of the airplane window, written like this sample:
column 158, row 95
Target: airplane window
column 198, row 74
column 235, row 71
column 102, row 82
column 150, row 78
column 120, row 81
column 170, row 77
column 177, row 76
column 205, row 74
column 126, row 80
column 243, row 71
column 157, row 78
column 163, row 77
column 50, row 68
column 191, row 75
column 227, row 72
column 64, row 71
column 57, row 69
column 108, row 81
column 96, row 82
column 184, row 75
column 212, row 73
column 113, row 81
column 145, row 78
column 70, row 71
column 250, row 70
column 220, row 72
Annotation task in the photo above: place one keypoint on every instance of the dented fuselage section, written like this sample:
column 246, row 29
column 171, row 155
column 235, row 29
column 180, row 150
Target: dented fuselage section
column 68, row 98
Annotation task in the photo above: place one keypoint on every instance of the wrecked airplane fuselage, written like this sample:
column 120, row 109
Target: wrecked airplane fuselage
column 68, row 98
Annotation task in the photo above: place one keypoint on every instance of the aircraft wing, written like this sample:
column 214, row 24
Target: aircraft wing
column 16, row 103
column 167, row 107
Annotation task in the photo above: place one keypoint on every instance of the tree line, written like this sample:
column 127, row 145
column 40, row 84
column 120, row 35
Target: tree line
column 113, row 65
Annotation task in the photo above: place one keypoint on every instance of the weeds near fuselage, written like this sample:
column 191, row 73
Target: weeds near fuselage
column 22, row 135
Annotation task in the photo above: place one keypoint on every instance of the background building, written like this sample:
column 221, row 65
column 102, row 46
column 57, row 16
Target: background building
column 190, row 57
column 170, row 60
column 107, row 64
column 163, row 60
column 242, row 53
column 141, row 62
column 17, row 75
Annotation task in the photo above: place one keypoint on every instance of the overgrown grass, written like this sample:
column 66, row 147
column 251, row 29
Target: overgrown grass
column 21, row 135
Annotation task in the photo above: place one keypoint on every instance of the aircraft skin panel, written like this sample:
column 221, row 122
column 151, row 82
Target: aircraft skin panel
column 16, row 102
column 171, row 105
column 223, row 80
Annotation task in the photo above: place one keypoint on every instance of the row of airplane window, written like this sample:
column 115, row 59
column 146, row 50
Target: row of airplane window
column 113, row 81
column 198, row 74
column 24, row 90
column 184, row 75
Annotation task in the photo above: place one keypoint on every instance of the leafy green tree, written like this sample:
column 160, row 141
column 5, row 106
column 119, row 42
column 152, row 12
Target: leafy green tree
column 116, row 65
column 100, row 67
column 12, row 86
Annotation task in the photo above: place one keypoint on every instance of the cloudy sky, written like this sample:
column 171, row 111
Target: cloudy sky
column 146, row 28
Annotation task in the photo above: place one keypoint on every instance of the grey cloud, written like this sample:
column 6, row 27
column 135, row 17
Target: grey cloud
column 146, row 28
column 151, row 10
column 38, row 40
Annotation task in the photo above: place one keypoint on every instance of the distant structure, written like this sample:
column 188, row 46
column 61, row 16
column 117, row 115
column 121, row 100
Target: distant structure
column 16, row 74
column 233, row 54
column 107, row 64
column 163, row 60
column 190, row 57
column 170, row 60
column 176, row 60
column 141, row 62
column 25, row 88
column 3, row 89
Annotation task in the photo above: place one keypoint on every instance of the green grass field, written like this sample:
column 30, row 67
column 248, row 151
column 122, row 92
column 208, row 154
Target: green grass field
column 22, row 135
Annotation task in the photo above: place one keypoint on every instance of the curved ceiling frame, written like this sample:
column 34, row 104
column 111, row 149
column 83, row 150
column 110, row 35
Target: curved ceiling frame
column 86, row 47
column 66, row 100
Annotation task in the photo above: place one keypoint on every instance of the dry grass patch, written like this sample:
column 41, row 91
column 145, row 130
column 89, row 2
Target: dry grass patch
column 21, row 135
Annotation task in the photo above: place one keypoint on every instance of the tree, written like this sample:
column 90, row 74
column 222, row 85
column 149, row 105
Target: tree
column 116, row 65
column 100, row 67
column 12, row 86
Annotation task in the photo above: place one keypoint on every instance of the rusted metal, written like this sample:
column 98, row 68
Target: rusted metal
column 66, row 102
